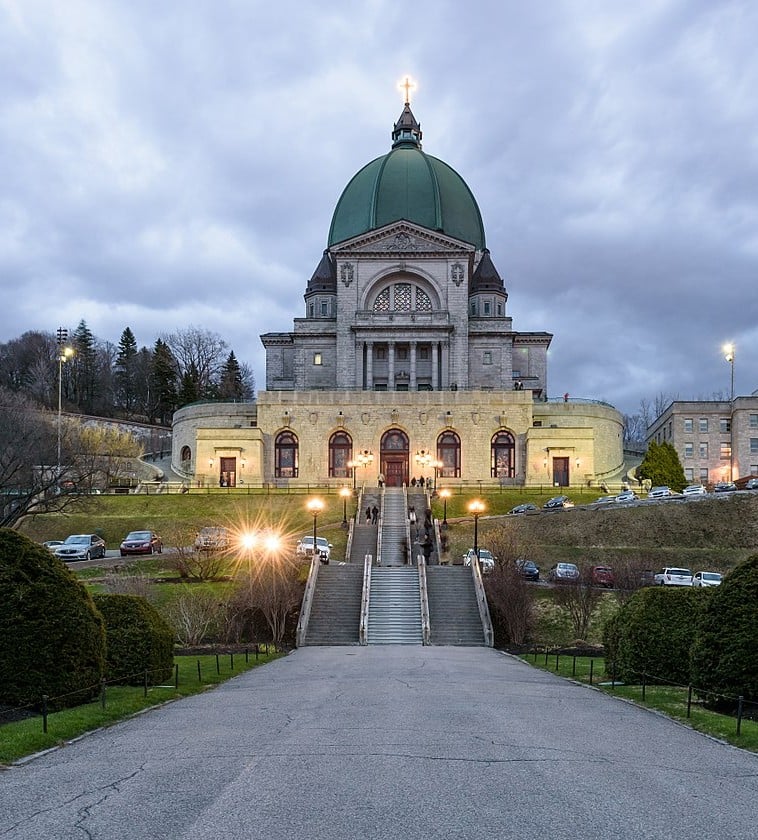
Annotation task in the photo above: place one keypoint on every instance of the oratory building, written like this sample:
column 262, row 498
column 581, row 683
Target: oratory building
column 406, row 362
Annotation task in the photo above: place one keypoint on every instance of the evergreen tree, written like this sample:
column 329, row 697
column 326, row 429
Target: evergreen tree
column 662, row 466
column 231, row 386
column 126, row 372
column 84, row 368
column 189, row 387
column 163, row 397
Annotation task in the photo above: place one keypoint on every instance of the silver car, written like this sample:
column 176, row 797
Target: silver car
column 81, row 547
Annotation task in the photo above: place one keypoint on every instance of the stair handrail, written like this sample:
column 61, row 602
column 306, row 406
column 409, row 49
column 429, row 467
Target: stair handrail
column 305, row 609
column 424, row 596
column 481, row 602
column 365, row 598
column 349, row 543
column 408, row 543
column 379, row 528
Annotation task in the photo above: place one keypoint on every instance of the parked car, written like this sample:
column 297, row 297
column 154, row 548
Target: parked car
column 752, row 484
column 695, row 490
column 323, row 546
column 671, row 576
column 725, row 487
column 528, row 569
column 602, row 576
column 706, row 579
column 141, row 542
column 81, row 547
column 563, row 572
column 659, row 492
column 486, row 560
column 525, row 508
column 558, row 502
column 212, row 538
column 605, row 500
column 52, row 544
column 626, row 496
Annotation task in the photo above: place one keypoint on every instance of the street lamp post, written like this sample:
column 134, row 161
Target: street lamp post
column 729, row 356
column 444, row 494
column 64, row 354
column 344, row 492
column 362, row 459
column 315, row 506
column 476, row 508
column 424, row 459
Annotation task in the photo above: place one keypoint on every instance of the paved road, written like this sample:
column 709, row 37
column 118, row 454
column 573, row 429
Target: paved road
column 388, row 742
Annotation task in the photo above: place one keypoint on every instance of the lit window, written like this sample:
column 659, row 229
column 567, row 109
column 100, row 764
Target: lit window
column 687, row 424
column 317, row 360
column 725, row 451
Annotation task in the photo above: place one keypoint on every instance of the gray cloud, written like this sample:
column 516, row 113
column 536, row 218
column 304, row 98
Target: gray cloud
column 163, row 166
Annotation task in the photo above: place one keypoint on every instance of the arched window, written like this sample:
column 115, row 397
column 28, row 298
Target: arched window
column 402, row 297
column 186, row 454
column 340, row 452
column 503, row 455
column 285, row 455
column 449, row 454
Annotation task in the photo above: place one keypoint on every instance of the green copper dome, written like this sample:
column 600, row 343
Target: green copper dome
column 407, row 185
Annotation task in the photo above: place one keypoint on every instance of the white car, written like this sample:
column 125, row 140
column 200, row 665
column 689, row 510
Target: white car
column 323, row 546
column 626, row 496
column 695, row 490
column 486, row 560
column 706, row 579
column 659, row 493
column 671, row 576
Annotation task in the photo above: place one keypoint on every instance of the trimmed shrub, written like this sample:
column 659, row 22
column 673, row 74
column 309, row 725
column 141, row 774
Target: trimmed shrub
column 138, row 640
column 653, row 634
column 52, row 639
column 725, row 653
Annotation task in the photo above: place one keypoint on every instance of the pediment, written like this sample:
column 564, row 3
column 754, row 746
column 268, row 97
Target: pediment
column 401, row 238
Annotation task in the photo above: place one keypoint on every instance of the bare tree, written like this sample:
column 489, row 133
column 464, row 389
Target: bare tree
column 580, row 600
column 107, row 451
column 188, row 560
column 199, row 350
column 510, row 597
column 275, row 590
column 193, row 615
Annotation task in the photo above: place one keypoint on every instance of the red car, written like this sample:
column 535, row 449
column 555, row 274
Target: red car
column 602, row 576
column 141, row 542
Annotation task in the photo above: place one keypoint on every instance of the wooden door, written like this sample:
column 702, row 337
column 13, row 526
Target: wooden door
column 561, row 472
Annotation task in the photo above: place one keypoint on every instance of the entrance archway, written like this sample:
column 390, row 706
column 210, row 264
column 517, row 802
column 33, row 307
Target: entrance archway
column 394, row 458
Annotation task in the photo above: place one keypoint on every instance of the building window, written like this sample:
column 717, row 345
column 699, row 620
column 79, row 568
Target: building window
column 725, row 425
column 703, row 424
column 670, row 430
column 324, row 307
column 340, row 453
column 703, row 450
column 754, row 469
column 311, row 309
column 689, row 450
column 382, row 302
column 503, row 456
column 186, row 454
column 688, row 424
column 704, row 475
column 487, row 357
column 500, row 309
column 423, row 301
column 401, row 353
column 449, row 454
column 689, row 474
column 317, row 359
column 285, row 455
column 725, row 451
column 516, row 374
column 487, row 307
column 424, row 353
column 472, row 309
column 380, row 353
column 754, row 446
column 753, row 421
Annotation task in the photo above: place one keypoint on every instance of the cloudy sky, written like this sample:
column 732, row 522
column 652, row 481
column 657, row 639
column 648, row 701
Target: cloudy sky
column 177, row 163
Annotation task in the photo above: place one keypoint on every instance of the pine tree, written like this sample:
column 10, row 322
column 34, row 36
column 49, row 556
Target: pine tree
column 231, row 386
column 126, row 372
column 662, row 466
column 189, row 388
column 84, row 368
column 163, row 398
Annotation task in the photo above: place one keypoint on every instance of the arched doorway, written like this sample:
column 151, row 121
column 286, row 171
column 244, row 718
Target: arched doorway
column 503, row 455
column 394, row 457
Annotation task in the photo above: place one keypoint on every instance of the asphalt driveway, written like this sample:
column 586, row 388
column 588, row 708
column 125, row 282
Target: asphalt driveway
column 388, row 742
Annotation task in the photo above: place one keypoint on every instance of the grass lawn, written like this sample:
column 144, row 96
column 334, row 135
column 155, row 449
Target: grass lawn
column 25, row 737
column 671, row 700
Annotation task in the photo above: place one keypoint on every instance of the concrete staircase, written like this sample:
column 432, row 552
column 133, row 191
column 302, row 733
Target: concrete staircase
column 453, row 613
column 393, row 528
column 336, row 609
column 394, row 616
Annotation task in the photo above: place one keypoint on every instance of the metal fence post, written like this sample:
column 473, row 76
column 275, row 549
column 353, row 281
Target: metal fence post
column 102, row 692
column 218, row 666
column 176, row 675
column 145, row 694
column 199, row 677
column 573, row 667
column 643, row 686
column 44, row 713
column 592, row 666
column 689, row 699
column 740, row 701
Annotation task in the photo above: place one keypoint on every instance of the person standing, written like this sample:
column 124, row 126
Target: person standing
column 374, row 515
column 368, row 515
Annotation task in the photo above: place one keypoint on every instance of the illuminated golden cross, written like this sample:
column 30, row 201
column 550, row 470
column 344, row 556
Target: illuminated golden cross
column 408, row 85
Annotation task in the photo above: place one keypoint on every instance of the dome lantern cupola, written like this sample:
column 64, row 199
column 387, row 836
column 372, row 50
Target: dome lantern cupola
column 407, row 131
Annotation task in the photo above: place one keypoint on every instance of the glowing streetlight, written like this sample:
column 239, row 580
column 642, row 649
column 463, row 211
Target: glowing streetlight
column 315, row 506
column 362, row 459
column 444, row 495
column 729, row 356
column 344, row 492
column 64, row 354
column 476, row 508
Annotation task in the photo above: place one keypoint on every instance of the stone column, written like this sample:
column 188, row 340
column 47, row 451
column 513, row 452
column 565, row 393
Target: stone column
column 435, row 375
column 391, row 366
column 412, row 384
column 369, row 386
